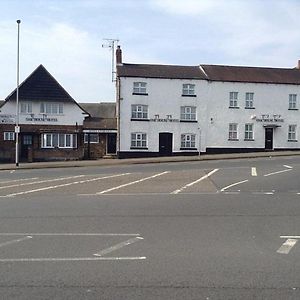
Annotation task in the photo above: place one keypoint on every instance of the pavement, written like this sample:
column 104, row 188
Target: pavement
column 148, row 160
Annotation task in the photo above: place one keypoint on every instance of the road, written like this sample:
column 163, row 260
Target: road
column 193, row 230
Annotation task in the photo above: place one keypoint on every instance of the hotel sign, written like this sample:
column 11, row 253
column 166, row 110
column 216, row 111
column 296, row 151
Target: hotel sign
column 270, row 118
column 7, row 119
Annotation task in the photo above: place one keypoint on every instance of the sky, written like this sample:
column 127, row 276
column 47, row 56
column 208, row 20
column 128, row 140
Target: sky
column 66, row 36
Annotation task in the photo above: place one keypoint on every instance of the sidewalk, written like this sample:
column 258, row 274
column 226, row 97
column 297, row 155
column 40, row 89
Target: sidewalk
column 112, row 162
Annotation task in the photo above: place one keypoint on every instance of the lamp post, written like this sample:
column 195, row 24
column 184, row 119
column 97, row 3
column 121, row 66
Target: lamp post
column 17, row 127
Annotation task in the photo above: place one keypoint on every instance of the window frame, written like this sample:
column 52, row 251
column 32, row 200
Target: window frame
column 59, row 140
column 139, row 109
column 293, row 102
column 292, row 134
column 92, row 141
column 233, row 99
column 139, row 88
column 233, row 132
column 188, row 90
column 138, row 140
column 249, row 132
column 188, row 141
column 25, row 107
column 51, row 108
column 249, row 100
column 188, row 116
column 8, row 136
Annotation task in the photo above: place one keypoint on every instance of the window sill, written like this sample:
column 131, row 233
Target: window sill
column 293, row 109
column 249, row 107
column 234, row 107
column 193, row 149
column 295, row 141
column 249, row 140
column 233, row 140
column 188, row 121
column 141, row 94
column 188, row 95
column 139, row 148
column 136, row 119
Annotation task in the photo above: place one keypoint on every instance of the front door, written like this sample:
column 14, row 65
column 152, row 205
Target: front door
column 165, row 143
column 269, row 138
column 111, row 143
column 26, row 142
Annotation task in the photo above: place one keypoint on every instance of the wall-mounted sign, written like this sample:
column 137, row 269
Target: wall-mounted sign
column 100, row 131
column 42, row 119
column 164, row 120
column 7, row 119
column 270, row 118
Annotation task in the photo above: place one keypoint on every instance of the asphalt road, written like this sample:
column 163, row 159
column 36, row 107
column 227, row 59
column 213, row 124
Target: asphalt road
column 194, row 230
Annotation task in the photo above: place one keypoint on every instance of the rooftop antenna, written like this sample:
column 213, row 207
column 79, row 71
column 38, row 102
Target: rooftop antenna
column 111, row 44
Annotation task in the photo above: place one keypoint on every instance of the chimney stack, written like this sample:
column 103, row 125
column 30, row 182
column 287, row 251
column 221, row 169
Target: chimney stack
column 119, row 56
column 298, row 67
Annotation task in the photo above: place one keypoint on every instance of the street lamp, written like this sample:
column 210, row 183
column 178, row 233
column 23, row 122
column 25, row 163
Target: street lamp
column 17, row 127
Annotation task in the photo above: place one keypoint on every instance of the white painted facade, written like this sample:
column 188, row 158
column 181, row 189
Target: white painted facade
column 164, row 98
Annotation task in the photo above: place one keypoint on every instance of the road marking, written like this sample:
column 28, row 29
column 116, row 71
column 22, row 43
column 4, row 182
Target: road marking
column 253, row 171
column 287, row 246
column 118, row 246
column 233, row 184
column 63, row 185
column 16, row 180
column 41, row 181
column 289, row 167
column 194, row 182
column 13, row 171
column 54, row 259
column 290, row 236
column 132, row 182
column 15, row 241
column 68, row 234
column 274, row 173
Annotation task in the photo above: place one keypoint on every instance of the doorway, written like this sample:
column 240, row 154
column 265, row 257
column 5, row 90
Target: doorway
column 26, row 144
column 111, row 143
column 268, row 138
column 165, row 143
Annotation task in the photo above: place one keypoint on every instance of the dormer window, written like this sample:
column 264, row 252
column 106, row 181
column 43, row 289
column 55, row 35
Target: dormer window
column 140, row 88
column 188, row 90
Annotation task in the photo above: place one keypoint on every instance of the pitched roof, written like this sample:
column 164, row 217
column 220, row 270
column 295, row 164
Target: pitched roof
column 100, row 110
column 212, row 73
column 42, row 86
column 252, row 74
column 160, row 71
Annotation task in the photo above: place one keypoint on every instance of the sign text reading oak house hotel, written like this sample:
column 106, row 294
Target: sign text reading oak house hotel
column 270, row 118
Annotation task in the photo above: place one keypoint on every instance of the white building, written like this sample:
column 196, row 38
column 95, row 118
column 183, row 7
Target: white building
column 181, row 110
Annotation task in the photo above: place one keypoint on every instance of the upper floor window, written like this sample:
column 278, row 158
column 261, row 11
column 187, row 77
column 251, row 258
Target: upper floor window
column 140, row 88
column 91, row 138
column 26, row 107
column 139, row 111
column 249, row 100
column 9, row 136
column 249, row 132
column 51, row 108
column 233, row 99
column 138, row 140
column 188, row 90
column 292, row 101
column 233, row 131
column 292, row 133
column 188, row 113
column 188, row 141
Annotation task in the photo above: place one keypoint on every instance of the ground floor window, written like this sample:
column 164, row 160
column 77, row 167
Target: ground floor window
column 188, row 141
column 249, row 132
column 292, row 133
column 138, row 140
column 91, row 137
column 59, row 140
column 233, row 133
column 9, row 136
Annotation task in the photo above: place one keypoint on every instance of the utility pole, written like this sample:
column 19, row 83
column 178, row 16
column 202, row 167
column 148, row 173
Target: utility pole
column 111, row 44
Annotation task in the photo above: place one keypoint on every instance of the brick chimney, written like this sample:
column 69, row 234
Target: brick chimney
column 119, row 56
column 298, row 67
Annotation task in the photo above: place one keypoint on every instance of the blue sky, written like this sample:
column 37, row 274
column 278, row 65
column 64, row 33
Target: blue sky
column 66, row 37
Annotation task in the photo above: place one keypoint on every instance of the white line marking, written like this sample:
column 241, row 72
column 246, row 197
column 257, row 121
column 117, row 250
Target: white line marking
column 15, row 241
column 130, row 183
column 53, row 259
column 287, row 246
column 194, row 182
column 289, row 167
column 41, row 181
column 16, row 180
column 118, row 246
column 290, row 236
column 233, row 184
column 253, row 171
column 274, row 173
column 63, row 185
column 68, row 234
column 13, row 171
